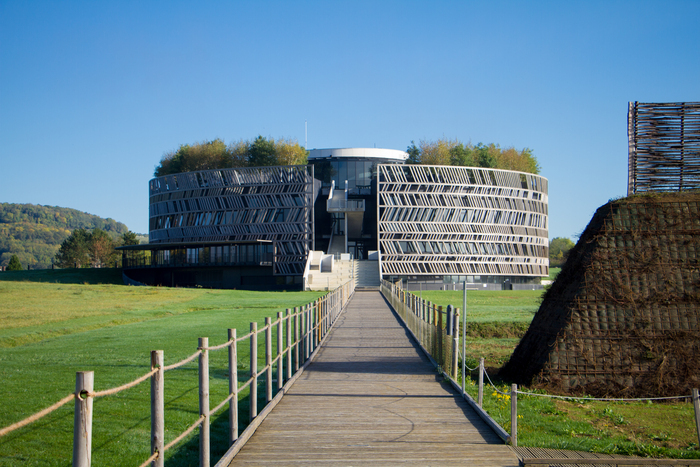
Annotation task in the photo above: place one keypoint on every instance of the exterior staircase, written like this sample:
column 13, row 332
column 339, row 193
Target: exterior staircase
column 367, row 275
column 342, row 273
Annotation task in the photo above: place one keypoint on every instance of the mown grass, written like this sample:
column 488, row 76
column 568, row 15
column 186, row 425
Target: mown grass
column 49, row 331
column 506, row 306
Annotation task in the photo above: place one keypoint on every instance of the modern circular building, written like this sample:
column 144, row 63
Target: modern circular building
column 255, row 227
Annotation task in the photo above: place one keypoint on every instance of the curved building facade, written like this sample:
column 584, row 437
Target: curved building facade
column 455, row 224
column 254, row 227
column 242, row 227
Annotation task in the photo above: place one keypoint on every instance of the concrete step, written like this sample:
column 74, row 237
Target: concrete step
column 367, row 274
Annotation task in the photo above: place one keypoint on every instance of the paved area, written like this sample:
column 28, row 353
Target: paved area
column 372, row 398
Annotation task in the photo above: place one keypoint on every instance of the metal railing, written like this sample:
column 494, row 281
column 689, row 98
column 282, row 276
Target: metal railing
column 345, row 205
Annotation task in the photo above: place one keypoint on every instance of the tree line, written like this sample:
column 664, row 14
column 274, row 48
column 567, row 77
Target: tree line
column 54, row 216
column 454, row 152
column 216, row 154
column 85, row 248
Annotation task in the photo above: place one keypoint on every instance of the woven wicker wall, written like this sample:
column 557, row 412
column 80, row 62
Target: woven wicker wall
column 622, row 318
column 664, row 146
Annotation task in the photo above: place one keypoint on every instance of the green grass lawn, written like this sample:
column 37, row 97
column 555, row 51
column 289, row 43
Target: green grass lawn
column 49, row 330
column 54, row 323
column 506, row 306
column 628, row 428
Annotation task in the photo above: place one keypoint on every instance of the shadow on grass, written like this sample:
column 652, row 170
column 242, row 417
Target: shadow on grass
column 66, row 276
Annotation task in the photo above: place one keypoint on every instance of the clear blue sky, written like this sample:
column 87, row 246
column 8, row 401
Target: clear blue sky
column 93, row 93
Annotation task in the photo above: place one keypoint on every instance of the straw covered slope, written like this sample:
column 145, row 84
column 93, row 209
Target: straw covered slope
column 622, row 318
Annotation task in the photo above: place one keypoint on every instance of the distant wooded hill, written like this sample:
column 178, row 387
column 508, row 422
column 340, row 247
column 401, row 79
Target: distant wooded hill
column 34, row 232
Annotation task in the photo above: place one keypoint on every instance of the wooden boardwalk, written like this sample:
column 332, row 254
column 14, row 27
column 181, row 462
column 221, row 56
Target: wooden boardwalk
column 372, row 398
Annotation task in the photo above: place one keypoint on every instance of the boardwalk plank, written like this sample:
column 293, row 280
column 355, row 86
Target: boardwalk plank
column 372, row 398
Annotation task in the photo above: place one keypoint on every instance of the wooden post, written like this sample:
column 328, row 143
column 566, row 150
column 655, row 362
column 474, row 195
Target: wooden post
column 421, row 319
column 455, row 348
column 326, row 313
column 440, row 356
column 312, row 324
column 303, row 337
column 280, row 352
column 464, row 338
column 82, row 421
column 233, row 386
column 268, row 359
column 157, row 408
column 288, row 348
column 204, row 402
column 296, row 341
column 305, row 332
column 299, row 336
column 254, row 371
column 480, row 400
column 514, row 415
column 317, row 322
column 696, row 405
column 450, row 320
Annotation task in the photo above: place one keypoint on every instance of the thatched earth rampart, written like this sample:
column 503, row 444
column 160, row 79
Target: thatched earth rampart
column 623, row 316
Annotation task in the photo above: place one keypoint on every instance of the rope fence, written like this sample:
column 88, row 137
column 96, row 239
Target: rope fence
column 428, row 327
column 37, row 416
column 305, row 328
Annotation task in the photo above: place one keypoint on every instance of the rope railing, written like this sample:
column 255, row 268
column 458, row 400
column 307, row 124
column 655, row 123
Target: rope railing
column 153, row 457
column 184, row 434
column 183, row 362
column 124, row 387
column 37, row 416
column 420, row 316
column 305, row 329
column 583, row 398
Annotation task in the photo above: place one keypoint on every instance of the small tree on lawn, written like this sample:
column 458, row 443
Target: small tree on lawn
column 14, row 264
column 75, row 250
